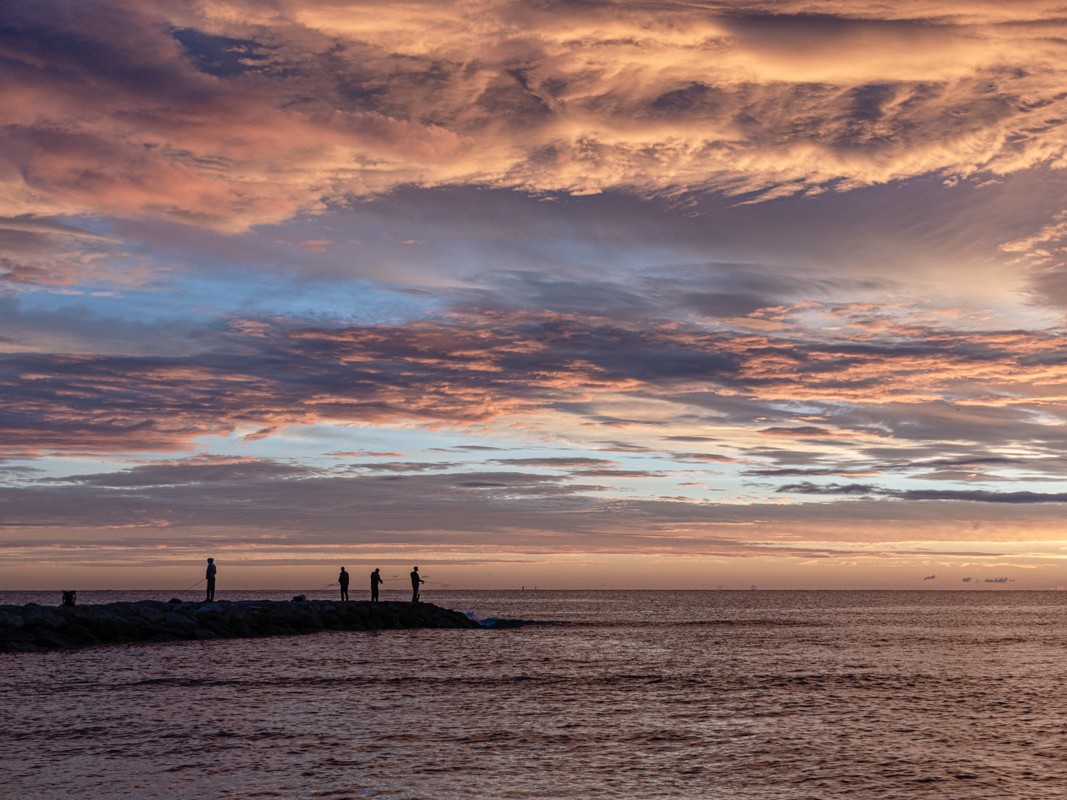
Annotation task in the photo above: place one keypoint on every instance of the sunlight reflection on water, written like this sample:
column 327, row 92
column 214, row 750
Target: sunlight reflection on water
column 650, row 694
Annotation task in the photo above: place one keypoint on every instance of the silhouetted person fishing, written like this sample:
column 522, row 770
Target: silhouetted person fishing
column 375, row 581
column 416, row 581
column 212, row 570
column 342, row 579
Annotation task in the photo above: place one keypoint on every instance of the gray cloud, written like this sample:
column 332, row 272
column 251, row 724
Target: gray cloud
column 975, row 495
column 560, row 462
column 278, row 508
column 264, row 375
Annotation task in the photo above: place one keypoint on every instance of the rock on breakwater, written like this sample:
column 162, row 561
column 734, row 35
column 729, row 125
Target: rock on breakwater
column 33, row 627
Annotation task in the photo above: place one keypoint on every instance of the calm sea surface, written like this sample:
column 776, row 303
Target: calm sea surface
column 720, row 694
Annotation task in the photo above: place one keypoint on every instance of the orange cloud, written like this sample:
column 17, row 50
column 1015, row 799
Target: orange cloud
column 145, row 109
column 828, row 391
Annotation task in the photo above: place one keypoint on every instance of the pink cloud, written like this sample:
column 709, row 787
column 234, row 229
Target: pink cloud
column 143, row 110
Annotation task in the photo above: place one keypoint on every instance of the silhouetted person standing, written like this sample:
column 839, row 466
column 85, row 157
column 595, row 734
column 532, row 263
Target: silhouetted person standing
column 343, row 580
column 416, row 581
column 211, row 572
column 375, row 581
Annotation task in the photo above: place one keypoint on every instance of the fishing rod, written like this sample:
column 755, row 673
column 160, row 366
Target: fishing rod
column 435, row 583
column 194, row 585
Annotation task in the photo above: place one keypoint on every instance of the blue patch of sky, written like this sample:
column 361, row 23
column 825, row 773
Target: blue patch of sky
column 266, row 271
column 351, row 300
column 221, row 56
column 328, row 447
column 368, row 265
column 47, row 468
column 200, row 298
column 320, row 443
column 128, row 304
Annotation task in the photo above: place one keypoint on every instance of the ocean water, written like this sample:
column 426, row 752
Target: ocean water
column 718, row 694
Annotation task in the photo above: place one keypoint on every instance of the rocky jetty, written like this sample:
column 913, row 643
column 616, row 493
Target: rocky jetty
column 33, row 627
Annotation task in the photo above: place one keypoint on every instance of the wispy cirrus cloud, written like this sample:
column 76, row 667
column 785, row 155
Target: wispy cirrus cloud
column 227, row 115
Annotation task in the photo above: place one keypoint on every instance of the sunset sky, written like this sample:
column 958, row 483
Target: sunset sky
column 567, row 294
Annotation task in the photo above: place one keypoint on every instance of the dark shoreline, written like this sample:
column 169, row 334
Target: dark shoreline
column 34, row 628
